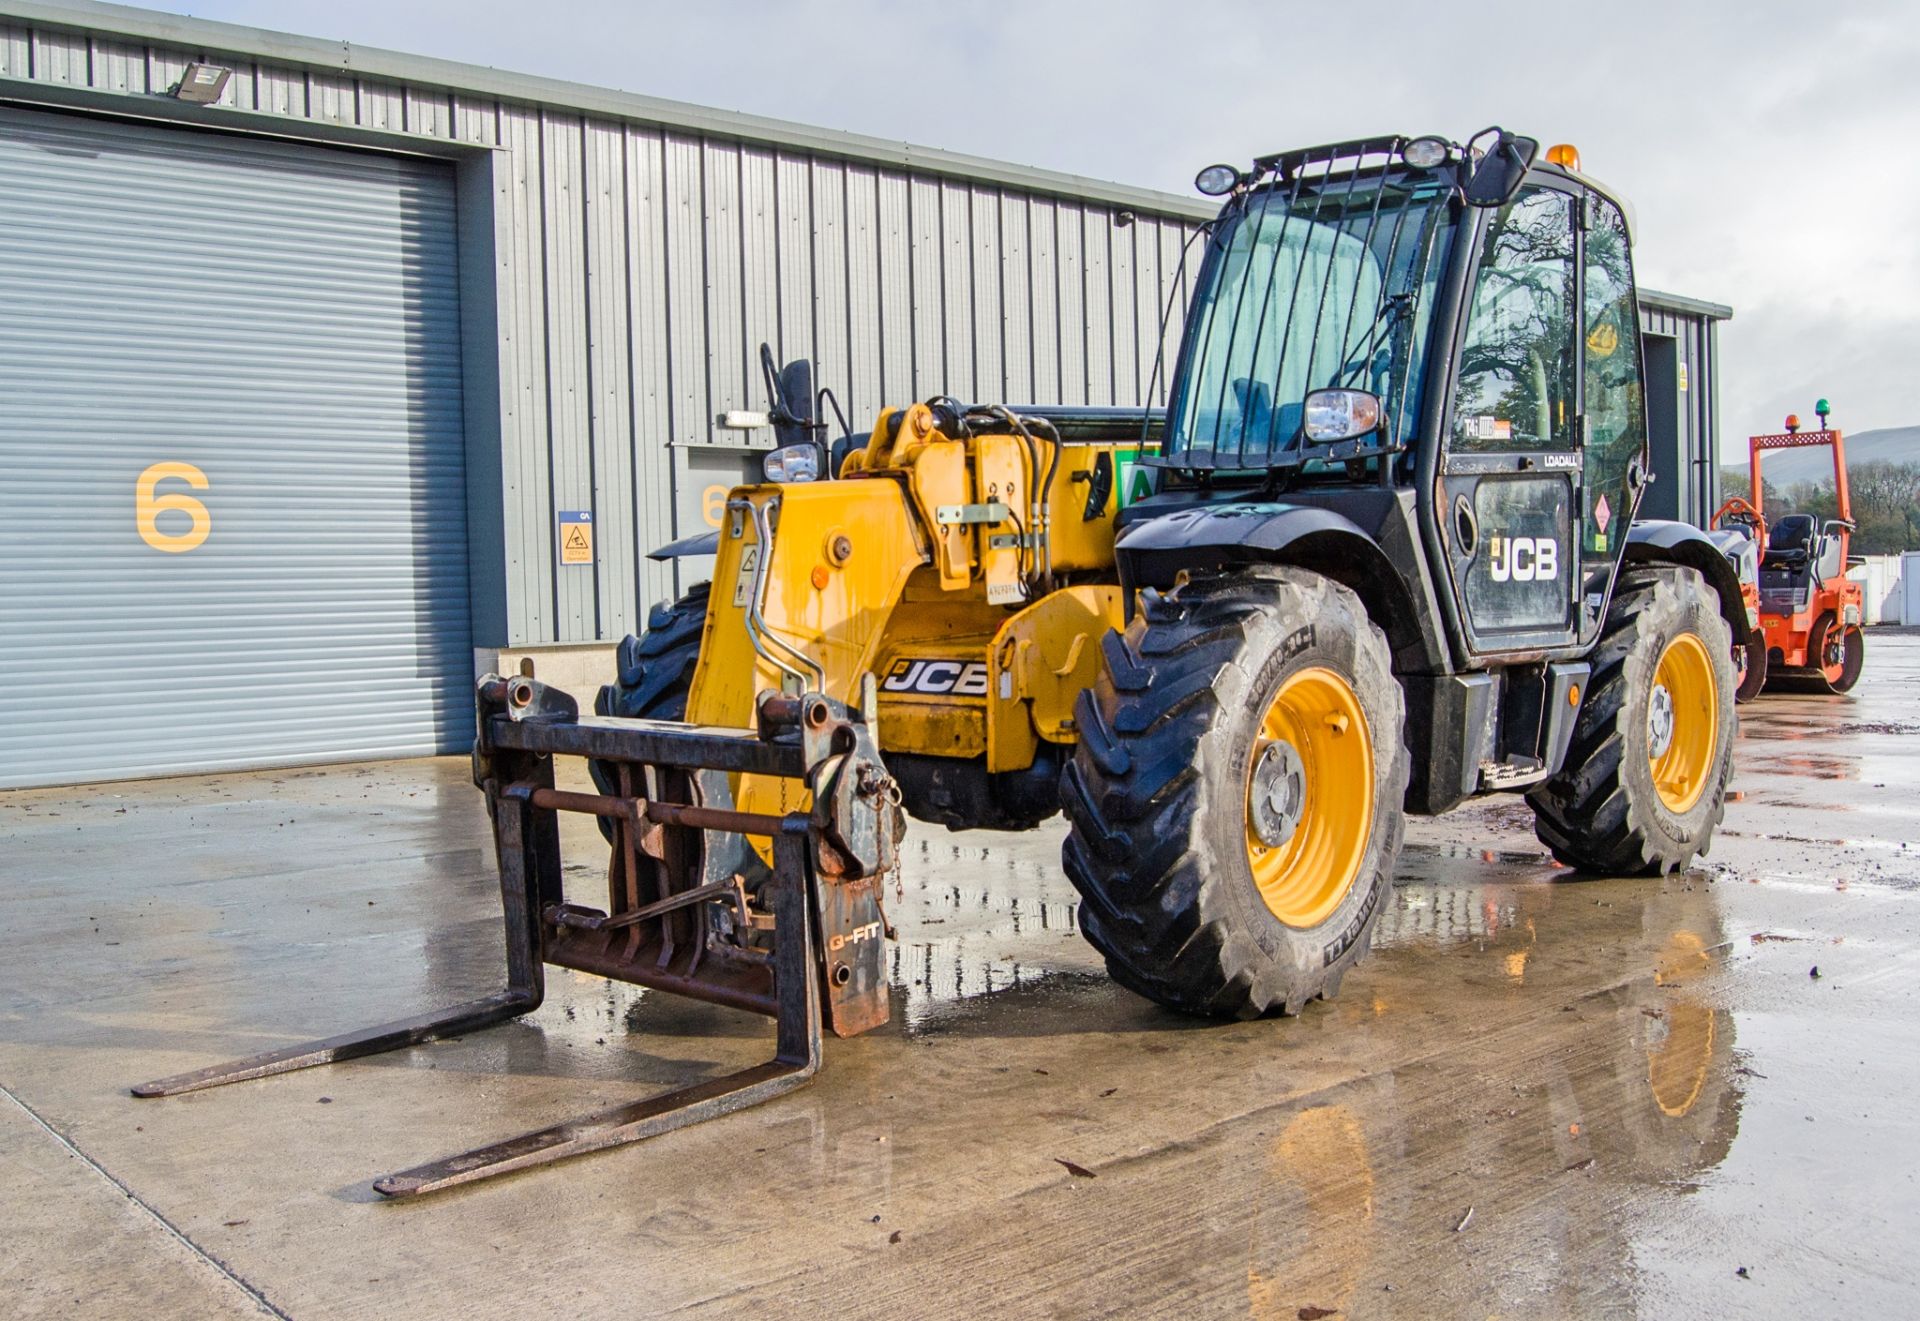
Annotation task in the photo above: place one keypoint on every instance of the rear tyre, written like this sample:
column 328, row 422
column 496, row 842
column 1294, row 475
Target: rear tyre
column 1854, row 658
column 1750, row 667
column 1833, row 665
column 1236, row 797
column 1645, row 780
column 1838, row 658
column 655, row 672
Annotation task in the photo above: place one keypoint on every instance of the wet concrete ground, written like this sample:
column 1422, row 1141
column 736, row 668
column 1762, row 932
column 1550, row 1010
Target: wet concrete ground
column 1541, row 1097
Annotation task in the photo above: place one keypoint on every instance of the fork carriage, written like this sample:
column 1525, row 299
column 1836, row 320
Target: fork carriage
column 792, row 930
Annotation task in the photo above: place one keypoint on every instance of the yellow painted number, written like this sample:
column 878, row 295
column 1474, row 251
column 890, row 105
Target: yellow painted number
column 714, row 499
column 147, row 507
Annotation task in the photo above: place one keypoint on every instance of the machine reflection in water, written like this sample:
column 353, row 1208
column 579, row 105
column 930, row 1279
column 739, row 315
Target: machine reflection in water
column 1550, row 1132
column 975, row 920
column 1323, row 1253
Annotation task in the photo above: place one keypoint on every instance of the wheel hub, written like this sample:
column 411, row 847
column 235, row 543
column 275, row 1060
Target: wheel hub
column 1279, row 793
column 1683, row 723
column 1659, row 721
column 1309, row 797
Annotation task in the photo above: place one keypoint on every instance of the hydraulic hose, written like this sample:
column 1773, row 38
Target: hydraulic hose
column 1045, row 496
column 1042, row 575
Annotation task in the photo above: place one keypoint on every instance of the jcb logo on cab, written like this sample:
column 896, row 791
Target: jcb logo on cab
column 1523, row 559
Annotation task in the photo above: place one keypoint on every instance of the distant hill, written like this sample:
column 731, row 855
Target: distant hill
column 1888, row 444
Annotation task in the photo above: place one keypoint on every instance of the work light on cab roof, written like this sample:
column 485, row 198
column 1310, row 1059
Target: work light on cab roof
column 1217, row 180
column 1426, row 152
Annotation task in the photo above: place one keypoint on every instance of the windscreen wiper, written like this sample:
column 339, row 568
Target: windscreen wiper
column 1371, row 340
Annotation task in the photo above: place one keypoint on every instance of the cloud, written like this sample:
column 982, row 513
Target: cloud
column 1766, row 145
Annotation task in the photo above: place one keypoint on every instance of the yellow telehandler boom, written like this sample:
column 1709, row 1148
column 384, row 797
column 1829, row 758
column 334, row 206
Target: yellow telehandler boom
column 994, row 534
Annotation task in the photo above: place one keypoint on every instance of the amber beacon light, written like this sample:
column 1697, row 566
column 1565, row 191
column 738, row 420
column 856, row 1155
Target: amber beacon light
column 1565, row 155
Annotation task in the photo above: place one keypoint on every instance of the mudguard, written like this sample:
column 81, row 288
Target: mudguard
column 1663, row 541
column 700, row 543
column 1264, row 526
column 1153, row 548
column 1152, row 551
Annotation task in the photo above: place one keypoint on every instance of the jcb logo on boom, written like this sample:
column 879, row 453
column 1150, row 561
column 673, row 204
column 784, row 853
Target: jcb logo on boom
column 1523, row 559
column 958, row 678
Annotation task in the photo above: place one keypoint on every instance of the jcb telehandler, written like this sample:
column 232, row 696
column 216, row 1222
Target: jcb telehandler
column 1377, row 556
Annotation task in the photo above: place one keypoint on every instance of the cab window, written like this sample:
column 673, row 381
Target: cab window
column 1516, row 385
column 1615, row 406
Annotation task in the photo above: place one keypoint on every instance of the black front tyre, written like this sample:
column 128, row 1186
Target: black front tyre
column 1236, row 798
column 1645, row 779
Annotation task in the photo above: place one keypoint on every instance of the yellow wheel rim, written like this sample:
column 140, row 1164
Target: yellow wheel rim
column 1309, row 809
column 1683, row 722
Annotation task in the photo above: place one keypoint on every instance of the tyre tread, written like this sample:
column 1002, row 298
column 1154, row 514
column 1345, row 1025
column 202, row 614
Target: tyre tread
column 1587, row 815
column 1134, row 799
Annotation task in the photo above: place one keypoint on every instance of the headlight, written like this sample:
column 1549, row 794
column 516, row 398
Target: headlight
column 1217, row 180
column 1425, row 153
column 1333, row 415
column 792, row 463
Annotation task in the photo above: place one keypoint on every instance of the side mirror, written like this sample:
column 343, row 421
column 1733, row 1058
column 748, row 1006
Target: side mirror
column 1331, row 416
column 1495, row 176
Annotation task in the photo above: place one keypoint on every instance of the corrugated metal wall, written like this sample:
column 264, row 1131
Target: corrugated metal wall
column 649, row 261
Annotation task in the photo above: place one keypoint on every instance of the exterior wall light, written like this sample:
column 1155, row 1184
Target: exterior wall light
column 202, row 84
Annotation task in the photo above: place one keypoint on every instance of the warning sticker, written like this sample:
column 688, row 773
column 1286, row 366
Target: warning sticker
column 576, row 536
column 743, row 581
column 1602, row 513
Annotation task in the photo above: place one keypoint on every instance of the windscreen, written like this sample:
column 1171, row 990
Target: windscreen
column 1324, row 282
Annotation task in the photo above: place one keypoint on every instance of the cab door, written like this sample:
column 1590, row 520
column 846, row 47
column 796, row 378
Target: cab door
column 1511, row 470
column 1613, row 404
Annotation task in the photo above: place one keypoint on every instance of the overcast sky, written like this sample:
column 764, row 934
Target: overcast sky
column 1771, row 148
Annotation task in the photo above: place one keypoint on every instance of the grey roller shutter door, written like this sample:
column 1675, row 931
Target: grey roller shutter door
column 281, row 321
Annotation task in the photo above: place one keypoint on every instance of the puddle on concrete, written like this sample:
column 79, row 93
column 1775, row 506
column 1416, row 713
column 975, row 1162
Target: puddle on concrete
column 979, row 915
column 1815, row 767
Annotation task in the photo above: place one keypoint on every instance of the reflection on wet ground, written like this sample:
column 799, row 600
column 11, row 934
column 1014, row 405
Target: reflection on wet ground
column 1540, row 1097
column 964, row 931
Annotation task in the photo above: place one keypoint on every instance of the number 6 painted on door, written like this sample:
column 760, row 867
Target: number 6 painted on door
column 147, row 507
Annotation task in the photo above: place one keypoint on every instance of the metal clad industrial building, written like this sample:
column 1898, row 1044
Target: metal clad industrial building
column 619, row 260
column 1680, row 347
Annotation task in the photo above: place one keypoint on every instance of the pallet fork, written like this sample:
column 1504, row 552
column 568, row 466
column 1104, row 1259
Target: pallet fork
column 693, row 909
